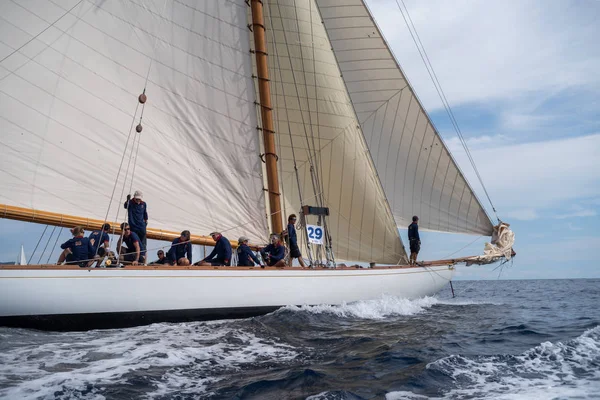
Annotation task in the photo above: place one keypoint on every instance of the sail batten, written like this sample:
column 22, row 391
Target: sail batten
column 417, row 172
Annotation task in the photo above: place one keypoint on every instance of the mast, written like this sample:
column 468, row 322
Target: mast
column 264, row 90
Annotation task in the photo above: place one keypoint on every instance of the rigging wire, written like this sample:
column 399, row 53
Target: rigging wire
column 44, row 30
column 45, row 247
column 54, row 247
column 441, row 94
column 38, row 243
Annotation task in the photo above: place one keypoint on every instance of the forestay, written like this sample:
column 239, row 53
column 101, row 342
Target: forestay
column 316, row 126
column 414, row 166
column 69, row 99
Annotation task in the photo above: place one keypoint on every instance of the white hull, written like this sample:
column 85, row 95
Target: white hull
column 54, row 292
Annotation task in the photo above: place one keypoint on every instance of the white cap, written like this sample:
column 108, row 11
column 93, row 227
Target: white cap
column 138, row 195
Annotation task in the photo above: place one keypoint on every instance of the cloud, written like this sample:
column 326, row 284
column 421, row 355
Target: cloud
column 526, row 180
column 503, row 50
column 578, row 213
column 523, row 214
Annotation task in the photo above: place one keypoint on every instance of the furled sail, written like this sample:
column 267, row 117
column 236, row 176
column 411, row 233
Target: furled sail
column 415, row 168
column 318, row 133
column 70, row 76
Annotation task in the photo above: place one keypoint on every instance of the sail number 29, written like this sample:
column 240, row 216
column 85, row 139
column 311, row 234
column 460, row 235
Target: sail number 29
column 315, row 234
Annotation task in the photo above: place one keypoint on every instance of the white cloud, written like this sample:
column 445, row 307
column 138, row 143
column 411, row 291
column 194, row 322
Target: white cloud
column 503, row 50
column 578, row 213
column 527, row 180
column 522, row 214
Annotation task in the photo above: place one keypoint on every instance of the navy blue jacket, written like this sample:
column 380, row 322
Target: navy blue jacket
column 246, row 257
column 130, row 240
column 97, row 239
column 292, row 236
column 179, row 250
column 221, row 252
column 81, row 247
column 138, row 215
column 276, row 253
column 413, row 232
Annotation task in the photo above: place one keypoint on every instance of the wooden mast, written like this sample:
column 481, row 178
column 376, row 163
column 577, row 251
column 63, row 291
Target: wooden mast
column 264, row 90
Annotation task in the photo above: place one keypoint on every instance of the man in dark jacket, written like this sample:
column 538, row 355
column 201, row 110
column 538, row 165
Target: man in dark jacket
column 246, row 257
column 181, row 247
column 221, row 254
column 162, row 259
column 137, row 211
column 274, row 253
column 77, row 250
column 414, row 239
column 293, row 241
column 135, row 250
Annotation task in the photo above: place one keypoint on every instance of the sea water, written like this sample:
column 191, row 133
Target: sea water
column 534, row 339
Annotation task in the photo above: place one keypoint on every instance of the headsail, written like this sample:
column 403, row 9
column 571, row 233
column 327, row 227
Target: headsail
column 318, row 129
column 69, row 86
column 417, row 172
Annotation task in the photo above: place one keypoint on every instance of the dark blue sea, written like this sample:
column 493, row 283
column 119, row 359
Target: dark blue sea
column 534, row 339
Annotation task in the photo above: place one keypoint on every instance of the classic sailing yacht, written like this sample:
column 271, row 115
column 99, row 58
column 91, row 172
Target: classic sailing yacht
column 211, row 108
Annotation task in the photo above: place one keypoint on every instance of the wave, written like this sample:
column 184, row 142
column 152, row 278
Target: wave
column 379, row 308
column 164, row 358
column 567, row 370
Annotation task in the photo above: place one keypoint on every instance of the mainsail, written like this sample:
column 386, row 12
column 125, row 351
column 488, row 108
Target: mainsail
column 415, row 168
column 70, row 76
column 320, row 135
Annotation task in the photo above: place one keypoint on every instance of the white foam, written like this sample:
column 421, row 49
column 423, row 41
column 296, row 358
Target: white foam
column 191, row 356
column 566, row 370
column 379, row 308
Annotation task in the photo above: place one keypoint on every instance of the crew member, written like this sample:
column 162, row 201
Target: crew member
column 179, row 248
column 274, row 253
column 414, row 239
column 221, row 254
column 246, row 257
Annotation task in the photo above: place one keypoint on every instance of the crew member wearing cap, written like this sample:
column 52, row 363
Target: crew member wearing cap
column 246, row 257
column 137, row 211
column 135, row 250
column 221, row 254
column 179, row 248
column 77, row 250
column 100, row 241
column 414, row 239
column 274, row 253
column 293, row 241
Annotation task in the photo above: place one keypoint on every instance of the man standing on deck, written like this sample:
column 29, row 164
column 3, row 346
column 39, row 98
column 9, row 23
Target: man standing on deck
column 414, row 240
column 293, row 241
column 181, row 247
column 221, row 254
column 137, row 211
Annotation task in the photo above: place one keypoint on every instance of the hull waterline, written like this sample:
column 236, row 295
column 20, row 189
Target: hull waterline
column 70, row 298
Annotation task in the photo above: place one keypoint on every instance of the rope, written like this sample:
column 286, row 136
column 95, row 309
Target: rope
column 441, row 94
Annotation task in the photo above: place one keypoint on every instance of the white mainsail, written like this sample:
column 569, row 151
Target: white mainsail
column 317, row 127
column 69, row 83
column 417, row 172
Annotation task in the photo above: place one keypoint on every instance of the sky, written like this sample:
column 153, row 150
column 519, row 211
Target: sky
column 522, row 80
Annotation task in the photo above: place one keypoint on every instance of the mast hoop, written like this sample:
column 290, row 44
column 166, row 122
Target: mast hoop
column 263, row 158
